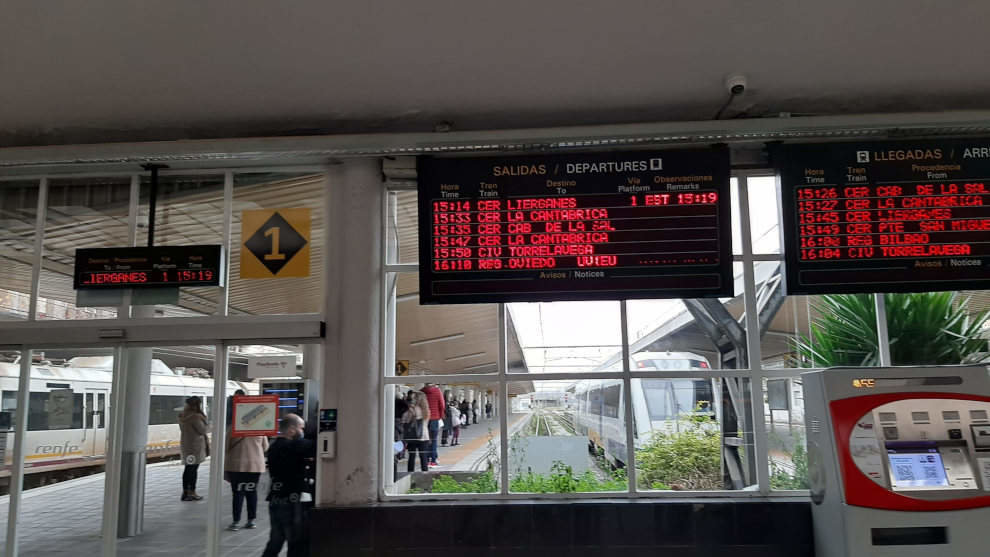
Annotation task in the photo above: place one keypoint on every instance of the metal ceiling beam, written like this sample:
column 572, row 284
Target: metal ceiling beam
column 221, row 153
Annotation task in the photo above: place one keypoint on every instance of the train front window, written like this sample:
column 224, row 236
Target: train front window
column 668, row 399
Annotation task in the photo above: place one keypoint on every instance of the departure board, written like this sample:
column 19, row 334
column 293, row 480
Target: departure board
column 132, row 267
column 601, row 226
column 900, row 216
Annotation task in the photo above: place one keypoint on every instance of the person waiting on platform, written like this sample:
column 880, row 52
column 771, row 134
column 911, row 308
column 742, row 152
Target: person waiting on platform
column 290, row 496
column 465, row 409
column 243, row 467
column 454, row 415
column 415, row 432
column 488, row 410
column 193, row 444
column 447, row 430
column 437, row 409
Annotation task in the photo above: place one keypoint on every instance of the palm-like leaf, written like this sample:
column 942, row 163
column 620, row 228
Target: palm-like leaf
column 926, row 328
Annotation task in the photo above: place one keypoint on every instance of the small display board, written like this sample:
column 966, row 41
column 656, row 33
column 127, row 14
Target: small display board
column 904, row 216
column 255, row 415
column 157, row 266
column 614, row 225
column 275, row 243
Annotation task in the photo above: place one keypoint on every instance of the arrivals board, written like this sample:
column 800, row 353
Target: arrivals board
column 611, row 225
column 904, row 216
column 108, row 268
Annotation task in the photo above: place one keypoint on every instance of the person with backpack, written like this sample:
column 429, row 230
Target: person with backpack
column 416, row 433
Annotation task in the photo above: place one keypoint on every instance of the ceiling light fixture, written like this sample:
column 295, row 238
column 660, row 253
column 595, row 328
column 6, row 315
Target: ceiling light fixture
column 464, row 356
column 454, row 336
column 480, row 366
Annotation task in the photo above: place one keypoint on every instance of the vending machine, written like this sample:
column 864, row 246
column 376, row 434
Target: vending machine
column 899, row 460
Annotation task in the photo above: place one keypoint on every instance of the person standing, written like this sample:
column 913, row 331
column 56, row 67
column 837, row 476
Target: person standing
column 415, row 432
column 446, row 430
column 194, row 445
column 488, row 410
column 474, row 410
column 437, row 409
column 243, row 467
column 455, row 423
column 289, row 457
column 465, row 409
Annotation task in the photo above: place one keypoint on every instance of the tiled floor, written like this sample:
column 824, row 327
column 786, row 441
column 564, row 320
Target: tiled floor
column 64, row 519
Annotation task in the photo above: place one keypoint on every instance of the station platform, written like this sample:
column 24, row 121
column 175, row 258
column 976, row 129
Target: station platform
column 64, row 519
column 476, row 441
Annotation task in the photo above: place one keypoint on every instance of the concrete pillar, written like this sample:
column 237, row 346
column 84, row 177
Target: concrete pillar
column 352, row 372
column 130, row 517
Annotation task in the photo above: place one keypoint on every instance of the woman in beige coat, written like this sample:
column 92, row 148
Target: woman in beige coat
column 243, row 466
column 193, row 443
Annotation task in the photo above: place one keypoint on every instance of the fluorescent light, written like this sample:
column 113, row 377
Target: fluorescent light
column 480, row 366
column 454, row 336
column 464, row 357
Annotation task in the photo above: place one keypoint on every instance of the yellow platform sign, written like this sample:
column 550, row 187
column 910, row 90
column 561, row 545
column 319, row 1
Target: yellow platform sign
column 275, row 243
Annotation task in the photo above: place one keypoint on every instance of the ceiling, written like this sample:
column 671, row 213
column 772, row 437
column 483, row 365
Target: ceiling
column 89, row 72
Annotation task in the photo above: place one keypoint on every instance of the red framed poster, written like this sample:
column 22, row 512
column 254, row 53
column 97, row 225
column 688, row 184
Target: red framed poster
column 255, row 416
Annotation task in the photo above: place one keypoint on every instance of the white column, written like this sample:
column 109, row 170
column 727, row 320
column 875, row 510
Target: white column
column 352, row 372
column 134, row 441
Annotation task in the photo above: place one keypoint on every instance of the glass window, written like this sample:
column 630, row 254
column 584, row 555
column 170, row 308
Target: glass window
column 402, row 227
column 277, row 228
column 82, row 213
column 58, row 409
column 558, row 337
column 568, row 433
column 165, row 409
column 188, row 211
column 465, row 447
column 18, row 210
column 763, row 214
column 556, row 446
column 444, row 339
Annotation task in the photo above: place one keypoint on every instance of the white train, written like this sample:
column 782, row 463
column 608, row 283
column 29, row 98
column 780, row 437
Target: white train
column 68, row 411
column 598, row 408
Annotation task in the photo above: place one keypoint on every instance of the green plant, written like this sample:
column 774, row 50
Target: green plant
column 794, row 477
column 688, row 458
column 562, row 480
column 924, row 328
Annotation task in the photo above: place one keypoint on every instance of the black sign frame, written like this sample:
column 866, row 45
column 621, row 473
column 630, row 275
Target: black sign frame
column 711, row 162
column 123, row 267
column 887, row 162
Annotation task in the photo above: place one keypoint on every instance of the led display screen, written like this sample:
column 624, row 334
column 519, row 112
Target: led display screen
column 916, row 469
column 612, row 225
column 906, row 216
column 108, row 268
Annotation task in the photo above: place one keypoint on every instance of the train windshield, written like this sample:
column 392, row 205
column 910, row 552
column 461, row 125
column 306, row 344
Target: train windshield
column 668, row 399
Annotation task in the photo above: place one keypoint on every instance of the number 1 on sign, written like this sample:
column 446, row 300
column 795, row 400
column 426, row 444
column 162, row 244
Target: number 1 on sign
column 274, row 255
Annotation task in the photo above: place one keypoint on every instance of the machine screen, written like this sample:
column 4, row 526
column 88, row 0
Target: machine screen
column 913, row 469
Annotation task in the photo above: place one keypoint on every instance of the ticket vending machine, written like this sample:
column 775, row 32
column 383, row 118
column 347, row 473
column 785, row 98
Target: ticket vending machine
column 899, row 460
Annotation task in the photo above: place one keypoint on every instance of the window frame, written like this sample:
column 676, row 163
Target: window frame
column 756, row 373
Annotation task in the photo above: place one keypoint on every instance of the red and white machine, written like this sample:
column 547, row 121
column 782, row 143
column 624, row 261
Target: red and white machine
column 899, row 460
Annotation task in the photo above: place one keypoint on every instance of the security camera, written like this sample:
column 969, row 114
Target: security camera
column 736, row 84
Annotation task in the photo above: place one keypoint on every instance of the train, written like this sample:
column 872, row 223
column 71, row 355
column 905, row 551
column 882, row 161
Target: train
column 69, row 412
column 598, row 406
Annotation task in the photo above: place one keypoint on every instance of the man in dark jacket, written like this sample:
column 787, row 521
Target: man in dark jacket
column 290, row 463
column 437, row 410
